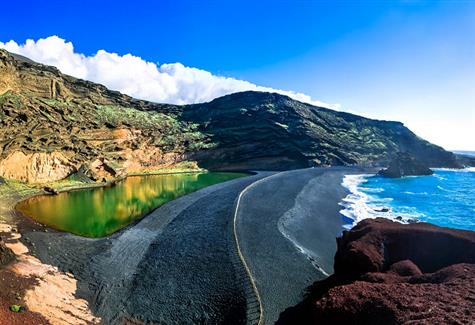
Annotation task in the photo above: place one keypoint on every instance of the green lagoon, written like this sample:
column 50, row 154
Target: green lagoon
column 101, row 211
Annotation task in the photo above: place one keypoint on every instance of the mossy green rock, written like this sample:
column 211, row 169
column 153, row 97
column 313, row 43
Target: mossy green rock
column 15, row 308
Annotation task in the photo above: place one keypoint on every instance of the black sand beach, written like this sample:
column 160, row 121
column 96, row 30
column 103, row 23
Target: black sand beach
column 180, row 264
column 177, row 265
column 306, row 201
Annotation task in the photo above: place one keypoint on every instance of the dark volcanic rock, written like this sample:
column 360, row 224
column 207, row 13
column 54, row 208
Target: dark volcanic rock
column 404, row 164
column 465, row 160
column 264, row 130
column 50, row 190
column 390, row 273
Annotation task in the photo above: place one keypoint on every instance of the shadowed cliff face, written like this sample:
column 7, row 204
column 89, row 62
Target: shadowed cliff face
column 44, row 111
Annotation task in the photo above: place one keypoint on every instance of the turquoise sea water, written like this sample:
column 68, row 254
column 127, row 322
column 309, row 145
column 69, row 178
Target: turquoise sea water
column 446, row 198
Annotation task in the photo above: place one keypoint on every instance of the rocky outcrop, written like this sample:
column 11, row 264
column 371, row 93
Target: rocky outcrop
column 374, row 245
column 442, row 297
column 465, row 160
column 404, row 164
column 391, row 273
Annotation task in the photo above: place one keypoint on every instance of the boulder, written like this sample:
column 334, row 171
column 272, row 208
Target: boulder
column 50, row 190
column 403, row 164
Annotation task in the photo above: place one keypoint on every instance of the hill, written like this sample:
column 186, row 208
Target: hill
column 54, row 125
column 262, row 130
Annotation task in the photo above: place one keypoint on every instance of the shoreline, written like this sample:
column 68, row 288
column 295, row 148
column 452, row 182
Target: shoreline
column 357, row 204
column 14, row 225
column 36, row 192
column 403, row 200
column 307, row 202
column 90, row 261
column 72, row 253
column 37, row 189
column 36, row 300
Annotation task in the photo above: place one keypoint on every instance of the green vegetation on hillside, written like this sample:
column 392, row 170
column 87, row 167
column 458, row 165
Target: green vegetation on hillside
column 46, row 111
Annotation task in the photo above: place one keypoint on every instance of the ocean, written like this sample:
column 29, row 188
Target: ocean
column 446, row 198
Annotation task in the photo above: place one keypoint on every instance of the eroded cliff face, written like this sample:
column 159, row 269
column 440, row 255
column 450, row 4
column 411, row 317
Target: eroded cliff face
column 36, row 167
column 53, row 125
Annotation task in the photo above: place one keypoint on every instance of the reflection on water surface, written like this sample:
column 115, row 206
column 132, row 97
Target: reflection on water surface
column 99, row 212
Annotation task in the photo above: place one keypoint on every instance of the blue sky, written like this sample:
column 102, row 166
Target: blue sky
column 412, row 61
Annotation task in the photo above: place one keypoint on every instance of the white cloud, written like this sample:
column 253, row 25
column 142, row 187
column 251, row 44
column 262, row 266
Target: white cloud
column 131, row 75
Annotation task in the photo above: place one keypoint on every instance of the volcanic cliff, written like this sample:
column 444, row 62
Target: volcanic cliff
column 54, row 125
column 391, row 273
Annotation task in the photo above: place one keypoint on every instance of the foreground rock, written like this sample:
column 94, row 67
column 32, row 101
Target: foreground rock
column 403, row 164
column 390, row 273
column 12, row 288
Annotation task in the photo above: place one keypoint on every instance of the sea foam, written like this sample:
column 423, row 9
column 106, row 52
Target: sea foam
column 447, row 198
column 461, row 170
column 358, row 205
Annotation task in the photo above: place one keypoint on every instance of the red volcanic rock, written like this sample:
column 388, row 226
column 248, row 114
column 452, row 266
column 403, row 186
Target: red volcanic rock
column 444, row 297
column 390, row 273
column 375, row 244
column 405, row 268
